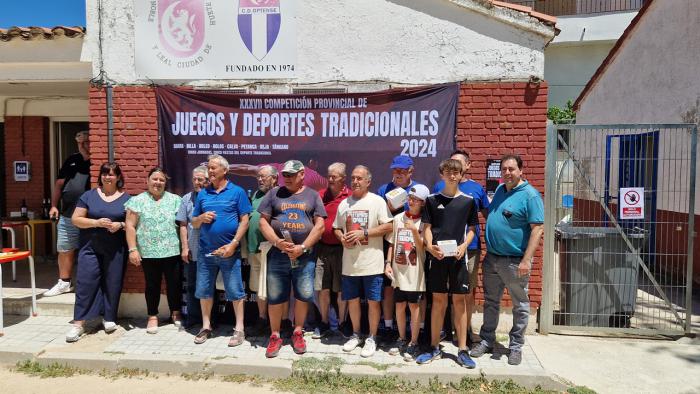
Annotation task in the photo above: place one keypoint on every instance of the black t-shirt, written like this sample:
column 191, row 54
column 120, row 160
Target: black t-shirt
column 76, row 175
column 449, row 216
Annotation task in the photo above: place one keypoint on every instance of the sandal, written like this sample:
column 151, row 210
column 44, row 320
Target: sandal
column 152, row 325
column 177, row 319
column 236, row 339
column 202, row 336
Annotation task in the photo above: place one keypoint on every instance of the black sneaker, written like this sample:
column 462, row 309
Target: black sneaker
column 261, row 327
column 321, row 331
column 479, row 350
column 515, row 357
column 345, row 329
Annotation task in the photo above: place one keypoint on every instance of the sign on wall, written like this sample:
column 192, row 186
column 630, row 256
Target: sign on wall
column 631, row 203
column 358, row 128
column 21, row 171
column 493, row 176
column 215, row 39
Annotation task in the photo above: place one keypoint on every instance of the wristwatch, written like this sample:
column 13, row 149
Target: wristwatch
column 303, row 249
column 366, row 234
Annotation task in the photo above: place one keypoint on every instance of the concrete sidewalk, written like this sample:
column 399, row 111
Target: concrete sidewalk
column 554, row 361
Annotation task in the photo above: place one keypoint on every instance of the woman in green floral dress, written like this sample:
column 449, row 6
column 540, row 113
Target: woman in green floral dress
column 152, row 237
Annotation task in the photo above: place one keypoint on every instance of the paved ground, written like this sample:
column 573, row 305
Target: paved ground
column 603, row 364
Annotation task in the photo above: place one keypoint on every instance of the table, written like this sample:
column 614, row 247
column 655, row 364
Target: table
column 11, row 255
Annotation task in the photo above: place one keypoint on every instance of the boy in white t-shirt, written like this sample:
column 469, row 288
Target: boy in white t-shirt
column 405, row 267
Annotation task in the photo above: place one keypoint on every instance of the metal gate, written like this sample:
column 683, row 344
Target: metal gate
column 619, row 220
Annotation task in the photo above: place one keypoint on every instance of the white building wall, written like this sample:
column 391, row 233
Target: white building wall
column 654, row 79
column 398, row 41
column 567, row 68
column 578, row 50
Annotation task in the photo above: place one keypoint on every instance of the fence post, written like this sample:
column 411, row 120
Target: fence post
column 691, row 229
column 550, row 209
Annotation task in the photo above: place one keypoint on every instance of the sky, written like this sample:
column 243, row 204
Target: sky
column 46, row 13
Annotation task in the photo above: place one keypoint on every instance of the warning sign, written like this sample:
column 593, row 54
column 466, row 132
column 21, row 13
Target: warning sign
column 631, row 203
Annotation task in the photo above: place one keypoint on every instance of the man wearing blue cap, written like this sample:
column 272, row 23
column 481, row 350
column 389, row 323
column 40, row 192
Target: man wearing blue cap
column 401, row 174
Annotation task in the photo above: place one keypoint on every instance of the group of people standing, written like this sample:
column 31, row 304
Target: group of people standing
column 304, row 245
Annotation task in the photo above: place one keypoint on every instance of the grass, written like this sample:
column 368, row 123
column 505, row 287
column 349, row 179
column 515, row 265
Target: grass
column 314, row 375
column 197, row 376
column 55, row 370
column 580, row 390
column 377, row 366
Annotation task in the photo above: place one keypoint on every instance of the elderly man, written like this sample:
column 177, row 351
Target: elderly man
column 360, row 225
column 221, row 213
column 330, row 252
column 291, row 218
column 267, row 179
column 72, row 181
column 513, row 231
column 189, row 243
column 401, row 177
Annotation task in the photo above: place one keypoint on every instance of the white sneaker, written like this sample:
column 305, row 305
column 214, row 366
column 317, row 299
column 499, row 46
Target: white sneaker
column 351, row 343
column 75, row 333
column 109, row 326
column 59, row 288
column 369, row 348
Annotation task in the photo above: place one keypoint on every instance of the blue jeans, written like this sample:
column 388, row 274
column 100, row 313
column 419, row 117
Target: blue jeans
column 67, row 235
column 208, row 268
column 280, row 273
column 500, row 272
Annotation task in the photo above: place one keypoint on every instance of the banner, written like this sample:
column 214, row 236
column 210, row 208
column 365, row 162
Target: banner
column 215, row 39
column 358, row 128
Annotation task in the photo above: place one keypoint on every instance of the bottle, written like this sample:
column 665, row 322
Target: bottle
column 45, row 208
column 23, row 208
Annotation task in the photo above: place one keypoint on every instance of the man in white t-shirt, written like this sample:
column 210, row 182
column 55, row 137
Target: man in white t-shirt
column 360, row 225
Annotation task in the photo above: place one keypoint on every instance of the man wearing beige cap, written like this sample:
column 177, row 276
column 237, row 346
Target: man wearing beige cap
column 72, row 181
column 292, row 219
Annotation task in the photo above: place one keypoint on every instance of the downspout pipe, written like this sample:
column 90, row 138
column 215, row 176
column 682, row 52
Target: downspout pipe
column 110, row 125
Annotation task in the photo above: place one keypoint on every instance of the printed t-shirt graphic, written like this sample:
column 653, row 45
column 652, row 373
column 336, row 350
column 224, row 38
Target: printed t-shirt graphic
column 292, row 212
column 357, row 220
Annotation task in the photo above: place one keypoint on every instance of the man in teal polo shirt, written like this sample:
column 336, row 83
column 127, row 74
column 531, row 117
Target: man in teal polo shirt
column 513, row 231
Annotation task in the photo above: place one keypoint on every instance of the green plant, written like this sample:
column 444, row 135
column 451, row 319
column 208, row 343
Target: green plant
column 54, row 370
column 565, row 115
column 580, row 390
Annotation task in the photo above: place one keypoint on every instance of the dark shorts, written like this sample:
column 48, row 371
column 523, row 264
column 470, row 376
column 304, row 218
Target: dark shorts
column 448, row 276
column 369, row 287
column 412, row 297
column 329, row 267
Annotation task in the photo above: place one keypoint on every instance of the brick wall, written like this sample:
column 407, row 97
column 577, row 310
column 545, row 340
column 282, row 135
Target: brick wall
column 135, row 145
column 498, row 118
column 493, row 119
column 27, row 138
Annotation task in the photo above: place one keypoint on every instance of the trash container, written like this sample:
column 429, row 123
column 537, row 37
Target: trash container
column 598, row 275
